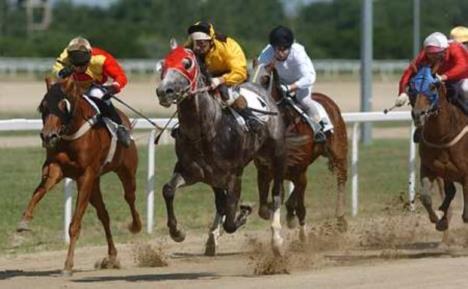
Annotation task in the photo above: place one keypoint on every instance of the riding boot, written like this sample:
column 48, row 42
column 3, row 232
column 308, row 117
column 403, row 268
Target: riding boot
column 252, row 121
column 319, row 135
column 123, row 134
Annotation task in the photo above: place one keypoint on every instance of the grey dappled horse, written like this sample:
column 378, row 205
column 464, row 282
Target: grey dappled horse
column 212, row 147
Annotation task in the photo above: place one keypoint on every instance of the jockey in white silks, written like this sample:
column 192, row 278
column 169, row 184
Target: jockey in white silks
column 297, row 76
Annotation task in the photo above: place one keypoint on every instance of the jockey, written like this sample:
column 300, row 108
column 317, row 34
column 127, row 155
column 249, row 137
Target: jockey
column 448, row 59
column 223, row 61
column 296, row 73
column 460, row 35
column 92, row 67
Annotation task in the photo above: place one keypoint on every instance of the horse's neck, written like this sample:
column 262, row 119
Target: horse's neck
column 447, row 123
column 197, row 116
column 83, row 111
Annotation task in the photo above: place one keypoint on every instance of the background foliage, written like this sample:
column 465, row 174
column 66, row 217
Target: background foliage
column 141, row 29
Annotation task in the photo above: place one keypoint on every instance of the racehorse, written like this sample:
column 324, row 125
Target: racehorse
column 212, row 147
column 77, row 147
column 299, row 157
column 443, row 148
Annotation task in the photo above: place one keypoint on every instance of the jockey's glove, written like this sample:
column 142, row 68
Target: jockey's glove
column 65, row 72
column 441, row 77
column 109, row 91
column 402, row 99
column 216, row 81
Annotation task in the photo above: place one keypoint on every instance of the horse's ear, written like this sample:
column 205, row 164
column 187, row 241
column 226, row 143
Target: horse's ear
column 173, row 43
column 48, row 82
column 159, row 65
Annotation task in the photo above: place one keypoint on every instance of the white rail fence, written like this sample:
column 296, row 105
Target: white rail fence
column 354, row 118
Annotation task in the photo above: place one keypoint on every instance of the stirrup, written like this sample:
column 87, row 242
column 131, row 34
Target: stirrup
column 123, row 136
column 320, row 137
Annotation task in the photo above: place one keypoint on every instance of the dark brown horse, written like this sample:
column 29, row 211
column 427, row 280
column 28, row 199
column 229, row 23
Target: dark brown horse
column 212, row 147
column 443, row 148
column 301, row 151
column 78, row 150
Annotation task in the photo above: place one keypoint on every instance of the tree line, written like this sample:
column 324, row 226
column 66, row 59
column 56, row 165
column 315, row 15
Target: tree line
column 142, row 29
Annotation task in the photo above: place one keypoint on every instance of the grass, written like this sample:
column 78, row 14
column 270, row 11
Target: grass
column 382, row 172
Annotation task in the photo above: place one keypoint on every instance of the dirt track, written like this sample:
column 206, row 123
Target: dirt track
column 401, row 252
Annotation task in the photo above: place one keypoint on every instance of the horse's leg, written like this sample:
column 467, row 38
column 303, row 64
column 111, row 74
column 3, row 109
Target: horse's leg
column 426, row 199
column 299, row 188
column 465, row 200
column 278, row 174
column 341, row 170
column 233, row 220
column 449, row 189
column 51, row 175
column 291, row 204
column 215, row 229
column 264, row 178
column 85, row 185
column 127, row 177
column 101, row 211
column 169, row 190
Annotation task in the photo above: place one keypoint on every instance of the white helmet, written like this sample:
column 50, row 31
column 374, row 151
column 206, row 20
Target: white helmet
column 435, row 43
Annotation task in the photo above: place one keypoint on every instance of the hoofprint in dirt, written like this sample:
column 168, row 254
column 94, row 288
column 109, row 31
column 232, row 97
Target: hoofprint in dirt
column 388, row 251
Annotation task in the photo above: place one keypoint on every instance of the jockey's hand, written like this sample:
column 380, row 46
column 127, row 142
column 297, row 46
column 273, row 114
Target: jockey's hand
column 441, row 78
column 402, row 99
column 215, row 82
column 109, row 91
column 65, row 72
column 285, row 89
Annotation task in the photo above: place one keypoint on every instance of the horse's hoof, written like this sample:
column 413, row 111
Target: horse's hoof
column 277, row 246
column 442, row 225
column 178, row 236
column 23, row 226
column 210, row 247
column 341, row 224
column 134, row 227
column 264, row 212
column 67, row 273
column 303, row 235
column 108, row 263
column 434, row 219
column 291, row 221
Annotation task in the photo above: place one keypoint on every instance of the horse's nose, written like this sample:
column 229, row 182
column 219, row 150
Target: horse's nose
column 169, row 91
column 49, row 139
column 159, row 92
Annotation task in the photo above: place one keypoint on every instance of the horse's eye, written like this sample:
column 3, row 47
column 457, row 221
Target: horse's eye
column 187, row 62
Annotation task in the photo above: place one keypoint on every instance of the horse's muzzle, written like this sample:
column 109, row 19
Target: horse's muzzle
column 165, row 96
column 50, row 140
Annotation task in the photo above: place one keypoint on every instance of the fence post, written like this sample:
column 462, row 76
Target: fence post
column 150, row 180
column 412, row 169
column 354, row 171
column 69, row 187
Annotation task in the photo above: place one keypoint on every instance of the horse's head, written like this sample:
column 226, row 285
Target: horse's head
column 424, row 88
column 56, row 110
column 179, row 75
column 266, row 76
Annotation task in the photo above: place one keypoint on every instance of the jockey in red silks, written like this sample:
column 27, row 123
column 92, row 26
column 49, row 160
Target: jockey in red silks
column 99, row 73
column 447, row 58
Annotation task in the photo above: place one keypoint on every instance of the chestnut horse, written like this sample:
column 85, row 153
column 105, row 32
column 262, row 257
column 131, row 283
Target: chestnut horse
column 212, row 147
column 77, row 146
column 443, row 148
column 301, row 151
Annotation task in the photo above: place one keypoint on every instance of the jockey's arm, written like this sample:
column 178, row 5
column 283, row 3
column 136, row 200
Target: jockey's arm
column 237, row 64
column 59, row 63
column 409, row 71
column 307, row 72
column 459, row 70
column 113, row 69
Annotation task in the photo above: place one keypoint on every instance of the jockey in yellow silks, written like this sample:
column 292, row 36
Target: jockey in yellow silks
column 223, row 59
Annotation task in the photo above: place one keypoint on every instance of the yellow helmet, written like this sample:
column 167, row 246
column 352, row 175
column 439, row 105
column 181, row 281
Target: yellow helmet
column 459, row 34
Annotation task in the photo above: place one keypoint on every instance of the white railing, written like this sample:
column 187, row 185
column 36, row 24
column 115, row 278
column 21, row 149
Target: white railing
column 355, row 118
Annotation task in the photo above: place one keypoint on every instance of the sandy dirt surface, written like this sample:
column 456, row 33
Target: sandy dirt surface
column 24, row 96
column 394, row 251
